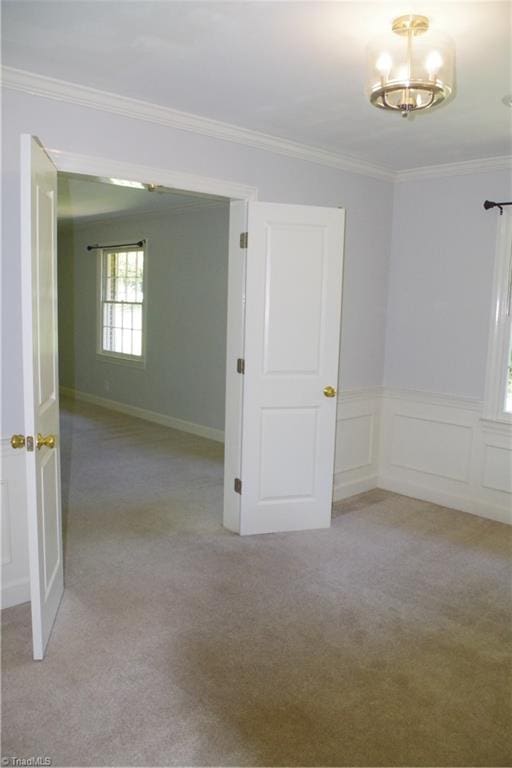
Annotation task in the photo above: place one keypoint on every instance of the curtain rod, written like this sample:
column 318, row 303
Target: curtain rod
column 491, row 204
column 140, row 243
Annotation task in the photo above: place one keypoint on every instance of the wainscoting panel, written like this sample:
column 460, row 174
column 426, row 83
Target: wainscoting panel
column 430, row 446
column 15, row 573
column 497, row 468
column 439, row 449
column 357, row 431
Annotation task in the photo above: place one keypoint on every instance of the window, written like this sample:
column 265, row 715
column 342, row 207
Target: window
column 498, row 400
column 121, row 310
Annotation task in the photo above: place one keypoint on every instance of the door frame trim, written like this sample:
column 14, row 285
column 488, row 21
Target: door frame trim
column 88, row 165
column 73, row 162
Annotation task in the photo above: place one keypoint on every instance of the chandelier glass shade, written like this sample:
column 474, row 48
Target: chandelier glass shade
column 411, row 68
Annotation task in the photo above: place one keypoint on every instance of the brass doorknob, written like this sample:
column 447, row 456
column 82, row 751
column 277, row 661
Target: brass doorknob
column 18, row 441
column 329, row 392
column 48, row 440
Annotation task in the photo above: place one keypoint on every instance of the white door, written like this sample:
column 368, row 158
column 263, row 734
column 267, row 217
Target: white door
column 41, row 387
column 292, row 328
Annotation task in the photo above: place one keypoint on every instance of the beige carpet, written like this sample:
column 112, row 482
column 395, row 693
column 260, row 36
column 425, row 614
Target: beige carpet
column 380, row 642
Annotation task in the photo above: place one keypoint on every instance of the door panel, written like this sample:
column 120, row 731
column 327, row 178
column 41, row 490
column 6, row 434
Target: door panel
column 288, row 441
column 45, row 291
column 49, row 519
column 40, row 375
column 293, row 317
column 293, row 308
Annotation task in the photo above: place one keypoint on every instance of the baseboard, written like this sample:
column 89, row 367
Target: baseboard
column 142, row 413
column 353, row 487
column 15, row 593
column 476, row 507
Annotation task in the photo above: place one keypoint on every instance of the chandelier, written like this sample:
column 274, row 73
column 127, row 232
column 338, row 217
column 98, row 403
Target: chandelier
column 411, row 69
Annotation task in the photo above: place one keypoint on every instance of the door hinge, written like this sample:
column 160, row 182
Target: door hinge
column 240, row 365
column 238, row 485
column 244, row 239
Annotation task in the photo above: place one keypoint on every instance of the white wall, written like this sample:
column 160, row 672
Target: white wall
column 368, row 202
column 440, row 282
column 186, row 301
column 434, row 443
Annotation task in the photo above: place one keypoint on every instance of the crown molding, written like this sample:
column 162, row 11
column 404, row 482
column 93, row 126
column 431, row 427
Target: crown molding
column 61, row 90
column 93, row 98
column 462, row 168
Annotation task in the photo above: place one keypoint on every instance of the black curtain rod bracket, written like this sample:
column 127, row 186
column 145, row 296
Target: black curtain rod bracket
column 491, row 204
column 97, row 247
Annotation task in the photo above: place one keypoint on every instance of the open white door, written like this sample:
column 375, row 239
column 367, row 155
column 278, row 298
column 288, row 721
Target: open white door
column 41, row 386
column 292, row 329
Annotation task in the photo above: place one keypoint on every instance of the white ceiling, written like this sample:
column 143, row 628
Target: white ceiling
column 292, row 69
column 86, row 197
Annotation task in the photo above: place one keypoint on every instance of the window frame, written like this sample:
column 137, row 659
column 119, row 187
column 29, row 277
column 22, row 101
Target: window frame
column 500, row 326
column 121, row 358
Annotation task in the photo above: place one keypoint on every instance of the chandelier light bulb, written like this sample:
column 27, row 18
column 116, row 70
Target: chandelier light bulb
column 410, row 69
column 384, row 64
column 434, row 63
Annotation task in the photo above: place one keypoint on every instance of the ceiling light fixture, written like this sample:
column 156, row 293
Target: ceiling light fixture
column 412, row 69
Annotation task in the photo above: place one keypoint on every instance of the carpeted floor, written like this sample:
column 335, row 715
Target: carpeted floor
column 380, row 642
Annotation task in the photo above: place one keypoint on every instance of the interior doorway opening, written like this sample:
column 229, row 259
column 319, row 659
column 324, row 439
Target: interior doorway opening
column 142, row 290
column 280, row 412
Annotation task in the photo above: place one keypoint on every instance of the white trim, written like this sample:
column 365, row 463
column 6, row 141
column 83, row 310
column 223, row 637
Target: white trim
column 433, row 398
column 235, row 340
column 343, row 490
column 451, row 500
column 5, row 447
column 355, row 395
column 142, row 413
column 462, row 168
column 15, row 592
column 96, row 166
column 62, row 90
column 88, row 165
column 500, row 325
column 491, row 426
column 439, row 449
column 93, row 98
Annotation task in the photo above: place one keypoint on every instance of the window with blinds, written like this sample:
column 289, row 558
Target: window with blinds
column 122, row 303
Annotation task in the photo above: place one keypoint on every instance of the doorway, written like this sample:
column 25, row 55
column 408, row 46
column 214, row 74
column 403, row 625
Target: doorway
column 284, row 309
column 142, row 288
